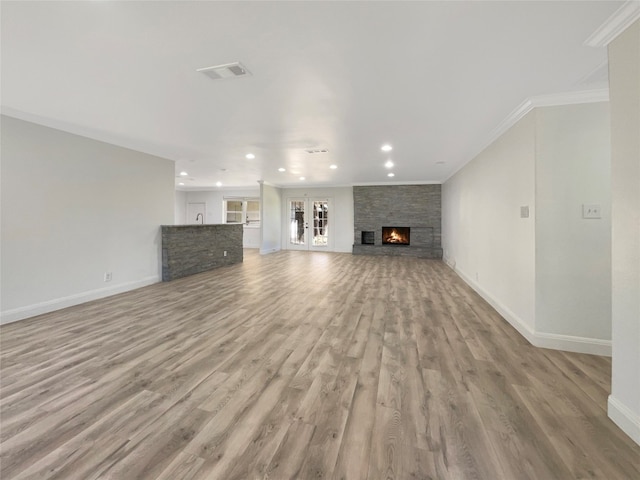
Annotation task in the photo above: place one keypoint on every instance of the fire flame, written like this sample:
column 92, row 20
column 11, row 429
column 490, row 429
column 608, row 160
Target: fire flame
column 395, row 237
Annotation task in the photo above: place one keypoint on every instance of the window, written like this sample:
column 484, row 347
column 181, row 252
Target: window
column 252, row 213
column 242, row 210
column 233, row 210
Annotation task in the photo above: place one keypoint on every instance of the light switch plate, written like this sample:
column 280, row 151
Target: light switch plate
column 591, row 210
column 524, row 211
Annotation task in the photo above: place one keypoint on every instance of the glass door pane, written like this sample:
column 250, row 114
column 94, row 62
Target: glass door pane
column 320, row 223
column 309, row 223
column 297, row 224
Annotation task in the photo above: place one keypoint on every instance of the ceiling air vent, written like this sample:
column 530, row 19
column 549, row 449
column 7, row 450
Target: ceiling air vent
column 228, row 70
column 323, row 150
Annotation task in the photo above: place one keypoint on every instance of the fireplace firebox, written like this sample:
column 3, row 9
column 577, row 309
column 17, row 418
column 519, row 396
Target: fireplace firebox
column 396, row 235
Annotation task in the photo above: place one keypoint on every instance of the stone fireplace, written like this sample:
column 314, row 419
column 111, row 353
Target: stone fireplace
column 397, row 220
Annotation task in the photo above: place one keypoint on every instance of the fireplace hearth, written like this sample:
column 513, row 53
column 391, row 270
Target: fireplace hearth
column 396, row 235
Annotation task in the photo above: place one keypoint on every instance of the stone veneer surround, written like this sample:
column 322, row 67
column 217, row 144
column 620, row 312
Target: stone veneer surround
column 414, row 206
column 190, row 249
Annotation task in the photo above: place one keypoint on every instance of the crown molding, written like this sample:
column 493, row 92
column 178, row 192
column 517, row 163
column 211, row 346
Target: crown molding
column 571, row 98
column 388, row 184
column 617, row 23
column 510, row 120
column 230, row 188
column 553, row 100
column 115, row 140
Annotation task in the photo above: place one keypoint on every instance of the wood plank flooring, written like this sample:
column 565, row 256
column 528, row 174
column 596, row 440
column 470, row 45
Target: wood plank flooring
column 301, row 365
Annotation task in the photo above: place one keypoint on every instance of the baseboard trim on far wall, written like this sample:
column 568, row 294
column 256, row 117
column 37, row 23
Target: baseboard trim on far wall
column 624, row 417
column 567, row 343
column 59, row 303
column 269, row 250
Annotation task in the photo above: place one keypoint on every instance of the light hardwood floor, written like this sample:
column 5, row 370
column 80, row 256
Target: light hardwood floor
column 301, row 365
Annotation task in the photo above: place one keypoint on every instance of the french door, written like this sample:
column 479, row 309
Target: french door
column 309, row 222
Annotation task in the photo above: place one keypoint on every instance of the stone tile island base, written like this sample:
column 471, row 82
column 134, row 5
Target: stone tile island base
column 190, row 249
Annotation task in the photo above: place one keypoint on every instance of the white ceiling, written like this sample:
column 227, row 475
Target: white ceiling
column 434, row 79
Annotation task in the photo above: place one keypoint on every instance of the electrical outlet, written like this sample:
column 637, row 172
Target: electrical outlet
column 107, row 276
column 591, row 211
column 225, row 253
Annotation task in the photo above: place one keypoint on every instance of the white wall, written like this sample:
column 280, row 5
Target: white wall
column 270, row 218
column 213, row 200
column 573, row 254
column 180, row 207
column 624, row 85
column 340, row 217
column 548, row 274
column 72, row 209
column 483, row 236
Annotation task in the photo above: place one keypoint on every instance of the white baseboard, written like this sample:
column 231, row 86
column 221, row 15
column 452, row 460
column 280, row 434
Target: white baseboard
column 515, row 321
column 568, row 343
column 269, row 250
column 29, row 311
column 624, row 417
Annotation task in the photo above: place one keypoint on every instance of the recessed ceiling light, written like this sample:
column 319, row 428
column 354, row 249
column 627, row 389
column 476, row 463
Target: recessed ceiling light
column 181, row 183
column 386, row 148
column 301, row 178
column 218, row 184
column 389, row 164
column 333, row 167
column 250, row 156
column 282, row 169
column 391, row 174
column 183, row 174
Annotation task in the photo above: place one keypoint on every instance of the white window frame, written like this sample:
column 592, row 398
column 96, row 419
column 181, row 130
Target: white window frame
column 246, row 221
